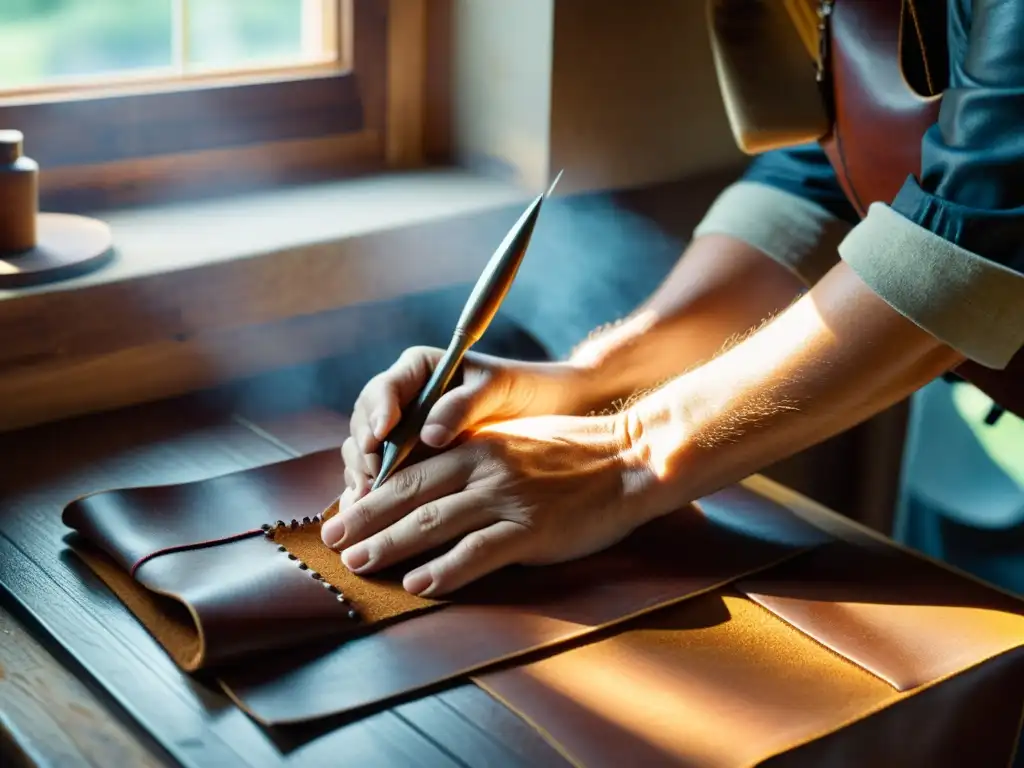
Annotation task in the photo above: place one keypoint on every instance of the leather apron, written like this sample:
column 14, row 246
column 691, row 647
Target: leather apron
column 878, row 121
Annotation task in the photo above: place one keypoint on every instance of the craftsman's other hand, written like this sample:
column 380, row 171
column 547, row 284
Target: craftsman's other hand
column 491, row 389
column 531, row 491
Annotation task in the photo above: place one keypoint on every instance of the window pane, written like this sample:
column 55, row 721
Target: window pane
column 236, row 34
column 45, row 40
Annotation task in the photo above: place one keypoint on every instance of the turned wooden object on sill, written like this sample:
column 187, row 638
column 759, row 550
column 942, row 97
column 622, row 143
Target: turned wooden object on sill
column 41, row 247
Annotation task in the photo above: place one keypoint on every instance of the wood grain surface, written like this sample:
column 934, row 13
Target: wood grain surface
column 50, row 714
column 83, row 681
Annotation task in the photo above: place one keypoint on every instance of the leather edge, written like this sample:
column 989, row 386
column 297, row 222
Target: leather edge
column 120, row 584
column 538, row 729
column 845, row 529
column 473, row 672
column 900, row 698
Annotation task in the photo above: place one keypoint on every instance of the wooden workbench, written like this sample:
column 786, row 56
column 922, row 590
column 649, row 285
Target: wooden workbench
column 53, row 710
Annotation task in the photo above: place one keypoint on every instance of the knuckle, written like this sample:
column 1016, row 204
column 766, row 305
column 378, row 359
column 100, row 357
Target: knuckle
column 407, row 483
column 383, row 544
column 474, row 545
column 421, row 350
column 410, row 356
column 348, row 449
column 428, row 518
column 359, row 517
column 376, row 389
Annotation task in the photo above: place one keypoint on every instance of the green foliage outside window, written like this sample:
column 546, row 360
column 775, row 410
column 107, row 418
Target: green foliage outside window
column 41, row 40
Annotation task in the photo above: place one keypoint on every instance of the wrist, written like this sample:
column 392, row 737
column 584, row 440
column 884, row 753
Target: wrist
column 562, row 388
column 648, row 451
column 665, row 451
column 606, row 363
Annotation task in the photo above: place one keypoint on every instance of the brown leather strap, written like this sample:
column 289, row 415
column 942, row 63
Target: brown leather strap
column 878, row 125
column 875, row 142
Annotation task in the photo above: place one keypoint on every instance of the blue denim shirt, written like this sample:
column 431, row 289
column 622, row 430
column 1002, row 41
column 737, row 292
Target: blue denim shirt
column 970, row 189
column 948, row 251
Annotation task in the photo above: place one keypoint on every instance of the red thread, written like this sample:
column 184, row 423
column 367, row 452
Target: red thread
column 194, row 545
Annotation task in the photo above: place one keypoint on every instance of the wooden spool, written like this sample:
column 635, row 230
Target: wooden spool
column 38, row 247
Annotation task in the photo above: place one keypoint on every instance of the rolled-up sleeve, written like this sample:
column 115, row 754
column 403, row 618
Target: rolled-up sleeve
column 948, row 253
column 789, row 205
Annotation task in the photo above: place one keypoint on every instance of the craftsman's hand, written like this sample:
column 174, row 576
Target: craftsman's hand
column 492, row 389
column 530, row 491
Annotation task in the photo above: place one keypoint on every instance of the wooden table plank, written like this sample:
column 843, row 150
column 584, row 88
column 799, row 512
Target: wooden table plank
column 130, row 680
column 494, row 718
column 178, row 442
column 79, row 731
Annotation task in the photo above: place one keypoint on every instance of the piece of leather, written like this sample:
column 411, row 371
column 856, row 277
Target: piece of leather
column 875, row 140
column 878, row 120
column 132, row 525
column 378, row 599
column 714, row 681
column 223, row 599
column 756, row 624
column 210, row 606
column 904, row 619
column 525, row 609
column 960, row 722
column 844, row 667
column 200, row 547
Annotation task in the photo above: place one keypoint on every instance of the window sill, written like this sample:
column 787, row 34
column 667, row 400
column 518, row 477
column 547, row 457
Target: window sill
column 208, row 291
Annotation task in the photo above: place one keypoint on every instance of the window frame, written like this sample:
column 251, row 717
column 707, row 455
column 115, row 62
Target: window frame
column 171, row 141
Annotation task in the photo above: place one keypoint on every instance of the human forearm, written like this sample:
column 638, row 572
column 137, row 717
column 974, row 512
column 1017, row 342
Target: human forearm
column 836, row 357
column 722, row 287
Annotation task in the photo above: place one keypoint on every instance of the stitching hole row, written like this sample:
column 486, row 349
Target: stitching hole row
column 268, row 533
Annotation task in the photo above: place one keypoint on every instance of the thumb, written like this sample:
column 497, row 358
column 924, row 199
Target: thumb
column 455, row 412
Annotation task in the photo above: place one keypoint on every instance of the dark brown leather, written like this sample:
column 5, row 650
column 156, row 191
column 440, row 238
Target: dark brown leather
column 878, row 120
column 854, row 654
column 226, row 598
column 754, row 626
column 875, row 142
column 182, row 541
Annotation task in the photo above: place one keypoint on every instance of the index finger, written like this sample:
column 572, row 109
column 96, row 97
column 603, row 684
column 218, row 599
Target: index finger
column 379, row 406
column 477, row 554
column 406, row 490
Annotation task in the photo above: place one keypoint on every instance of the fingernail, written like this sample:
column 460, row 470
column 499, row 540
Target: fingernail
column 332, row 532
column 380, row 425
column 355, row 557
column 436, row 436
column 418, row 582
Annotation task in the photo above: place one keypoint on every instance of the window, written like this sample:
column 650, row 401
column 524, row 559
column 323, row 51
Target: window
column 66, row 44
column 129, row 101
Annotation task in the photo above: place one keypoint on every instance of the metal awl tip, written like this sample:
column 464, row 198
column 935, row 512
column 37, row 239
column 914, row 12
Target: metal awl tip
column 553, row 183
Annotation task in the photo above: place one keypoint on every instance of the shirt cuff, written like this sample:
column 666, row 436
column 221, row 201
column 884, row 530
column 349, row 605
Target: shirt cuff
column 798, row 234
column 974, row 305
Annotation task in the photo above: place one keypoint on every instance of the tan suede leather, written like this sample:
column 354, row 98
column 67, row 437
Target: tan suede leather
column 857, row 653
